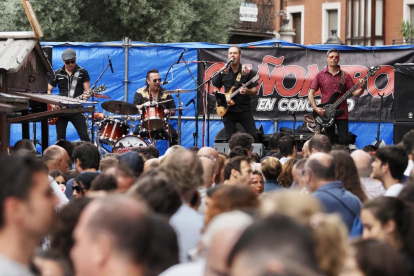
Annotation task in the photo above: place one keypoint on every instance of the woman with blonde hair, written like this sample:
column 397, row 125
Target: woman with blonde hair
column 271, row 169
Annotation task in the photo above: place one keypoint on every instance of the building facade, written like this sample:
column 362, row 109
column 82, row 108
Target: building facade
column 357, row 22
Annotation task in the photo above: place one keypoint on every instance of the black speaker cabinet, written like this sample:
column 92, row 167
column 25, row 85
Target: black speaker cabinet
column 400, row 129
column 404, row 92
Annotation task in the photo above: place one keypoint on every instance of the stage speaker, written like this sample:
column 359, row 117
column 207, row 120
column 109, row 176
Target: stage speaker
column 400, row 129
column 404, row 92
column 221, row 136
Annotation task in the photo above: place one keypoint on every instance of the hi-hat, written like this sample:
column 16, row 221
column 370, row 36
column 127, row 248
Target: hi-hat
column 176, row 91
column 120, row 107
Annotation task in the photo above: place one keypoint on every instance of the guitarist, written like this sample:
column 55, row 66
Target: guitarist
column 236, row 75
column 329, row 80
column 72, row 81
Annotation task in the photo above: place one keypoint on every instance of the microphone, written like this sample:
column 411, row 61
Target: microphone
column 228, row 63
column 181, row 56
column 165, row 82
column 110, row 64
column 191, row 101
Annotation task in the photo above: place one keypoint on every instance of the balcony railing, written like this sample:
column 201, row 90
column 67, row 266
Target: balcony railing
column 403, row 42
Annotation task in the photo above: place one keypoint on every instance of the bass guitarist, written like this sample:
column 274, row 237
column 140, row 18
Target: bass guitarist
column 330, row 80
column 72, row 81
column 236, row 75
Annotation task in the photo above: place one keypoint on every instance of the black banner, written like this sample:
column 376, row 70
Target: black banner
column 286, row 75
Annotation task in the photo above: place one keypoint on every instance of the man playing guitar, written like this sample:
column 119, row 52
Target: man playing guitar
column 72, row 81
column 328, row 81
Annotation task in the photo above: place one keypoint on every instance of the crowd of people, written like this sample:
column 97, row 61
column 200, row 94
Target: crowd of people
column 321, row 210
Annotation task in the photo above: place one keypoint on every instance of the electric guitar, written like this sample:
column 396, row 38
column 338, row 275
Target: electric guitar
column 99, row 89
column 331, row 106
column 223, row 101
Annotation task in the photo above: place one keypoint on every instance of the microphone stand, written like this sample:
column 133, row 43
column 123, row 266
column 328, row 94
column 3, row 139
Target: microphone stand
column 93, row 99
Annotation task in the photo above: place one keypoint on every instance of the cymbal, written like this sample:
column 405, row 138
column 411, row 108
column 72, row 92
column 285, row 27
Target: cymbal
column 120, row 107
column 176, row 91
column 101, row 96
column 182, row 108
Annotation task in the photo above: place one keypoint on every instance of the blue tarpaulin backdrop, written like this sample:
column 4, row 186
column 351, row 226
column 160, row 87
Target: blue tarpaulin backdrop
column 145, row 56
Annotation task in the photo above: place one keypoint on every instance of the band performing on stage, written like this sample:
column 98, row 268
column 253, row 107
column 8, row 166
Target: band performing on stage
column 153, row 106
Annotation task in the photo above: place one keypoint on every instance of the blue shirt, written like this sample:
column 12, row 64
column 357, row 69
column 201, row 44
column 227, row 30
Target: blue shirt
column 333, row 205
column 271, row 185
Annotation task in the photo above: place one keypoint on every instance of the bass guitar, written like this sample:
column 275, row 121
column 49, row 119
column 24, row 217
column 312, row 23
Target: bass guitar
column 99, row 89
column 223, row 101
column 331, row 106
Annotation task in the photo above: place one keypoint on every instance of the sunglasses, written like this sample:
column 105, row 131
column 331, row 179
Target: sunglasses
column 70, row 61
column 156, row 80
column 333, row 57
column 63, row 182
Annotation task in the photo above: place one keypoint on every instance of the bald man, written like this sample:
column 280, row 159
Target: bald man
column 111, row 238
column 320, row 179
column 372, row 188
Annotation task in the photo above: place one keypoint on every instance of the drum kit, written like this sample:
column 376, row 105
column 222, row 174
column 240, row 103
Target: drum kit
column 116, row 129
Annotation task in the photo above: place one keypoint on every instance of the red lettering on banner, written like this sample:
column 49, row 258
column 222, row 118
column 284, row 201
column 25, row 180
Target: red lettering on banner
column 312, row 71
column 389, row 88
column 209, row 72
column 267, row 79
column 356, row 72
column 299, row 74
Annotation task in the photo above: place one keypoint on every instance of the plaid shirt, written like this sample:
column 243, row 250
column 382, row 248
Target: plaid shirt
column 329, row 84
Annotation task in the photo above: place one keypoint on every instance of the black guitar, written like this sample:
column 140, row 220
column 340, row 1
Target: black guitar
column 331, row 106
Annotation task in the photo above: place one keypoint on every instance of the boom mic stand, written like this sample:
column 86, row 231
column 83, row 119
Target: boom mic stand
column 377, row 142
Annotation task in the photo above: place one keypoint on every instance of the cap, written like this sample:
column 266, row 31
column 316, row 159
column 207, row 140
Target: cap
column 68, row 54
column 133, row 160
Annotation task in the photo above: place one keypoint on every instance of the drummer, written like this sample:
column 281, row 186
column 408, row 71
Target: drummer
column 142, row 98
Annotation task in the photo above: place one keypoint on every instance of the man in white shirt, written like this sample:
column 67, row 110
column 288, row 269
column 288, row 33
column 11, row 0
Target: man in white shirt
column 26, row 212
column 388, row 167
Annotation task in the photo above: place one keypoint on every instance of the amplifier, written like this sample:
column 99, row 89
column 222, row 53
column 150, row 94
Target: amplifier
column 224, row 147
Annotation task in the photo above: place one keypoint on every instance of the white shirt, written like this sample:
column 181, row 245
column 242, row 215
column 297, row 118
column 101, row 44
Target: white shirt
column 58, row 192
column 410, row 166
column 9, row 267
column 187, row 269
column 372, row 188
column 187, row 223
column 394, row 190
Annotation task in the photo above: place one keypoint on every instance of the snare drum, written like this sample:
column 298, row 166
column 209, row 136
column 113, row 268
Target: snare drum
column 153, row 117
column 127, row 143
column 112, row 130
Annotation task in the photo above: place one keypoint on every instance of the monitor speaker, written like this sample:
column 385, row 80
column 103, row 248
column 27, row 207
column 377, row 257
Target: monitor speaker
column 404, row 92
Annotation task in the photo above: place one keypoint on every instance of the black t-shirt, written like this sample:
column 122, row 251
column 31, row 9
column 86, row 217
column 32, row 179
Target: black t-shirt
column 142, row 96
column 227, row 78
column 64, row 81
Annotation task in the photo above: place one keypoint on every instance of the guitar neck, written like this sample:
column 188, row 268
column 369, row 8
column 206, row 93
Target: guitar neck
column 238, row 90
column 348, row 93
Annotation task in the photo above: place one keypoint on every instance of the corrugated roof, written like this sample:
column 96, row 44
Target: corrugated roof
column 15, row 52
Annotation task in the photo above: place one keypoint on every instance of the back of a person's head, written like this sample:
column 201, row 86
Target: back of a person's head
column 238, row 151
column 16, row 172
column 108, row 162
column 407, row 193
column 125, row 220
column 104, row 182
column 285, row 178
column 286, row 145
column 271, row 168
column 241, row 139
column 274, row 140
column 163, row 249
column 185, row 171
column 362, row 162
column 319, row 143
column 375, row 258
column 133, row 160
column 408, row 142
column 369, row 148
column 386, row 209
column 234, row 164
column 395, row 157
column 86, row 179
column 24, row 147
column 66, row 220
column 51, row 153
column 290, row 203
column 275, row 239
column 229, row 198
column 88, row 155
column 151, row 152
column 322, row 166
column 158, row 191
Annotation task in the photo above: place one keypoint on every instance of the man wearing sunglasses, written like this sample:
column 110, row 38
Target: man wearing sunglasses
column 154, row 90
column 328, row 81
column 72, row 81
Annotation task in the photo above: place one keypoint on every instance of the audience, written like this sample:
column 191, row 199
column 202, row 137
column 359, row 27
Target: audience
column 140, row 214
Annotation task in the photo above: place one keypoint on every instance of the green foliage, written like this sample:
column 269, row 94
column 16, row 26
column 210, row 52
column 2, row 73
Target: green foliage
column 407, row 30
column 141, row 20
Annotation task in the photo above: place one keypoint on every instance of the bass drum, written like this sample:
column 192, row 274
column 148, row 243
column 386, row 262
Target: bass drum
column 127, row 143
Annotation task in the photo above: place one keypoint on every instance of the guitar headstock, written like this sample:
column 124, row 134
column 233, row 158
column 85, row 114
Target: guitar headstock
column 372, row 70
column 99, row 88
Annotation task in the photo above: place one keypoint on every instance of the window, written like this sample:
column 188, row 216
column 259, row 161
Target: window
column 365, row 22
column 297, row 26
column 411, row 14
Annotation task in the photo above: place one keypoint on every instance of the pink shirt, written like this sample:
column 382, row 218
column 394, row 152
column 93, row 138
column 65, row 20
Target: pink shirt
column 329, row 84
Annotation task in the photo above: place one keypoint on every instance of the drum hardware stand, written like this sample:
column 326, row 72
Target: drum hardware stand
column 93, row 99
column 377, row 142
column 293, row 113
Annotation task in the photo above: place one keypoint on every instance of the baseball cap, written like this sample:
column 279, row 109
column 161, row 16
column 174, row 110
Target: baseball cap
column 133, row 160
column 68, row 54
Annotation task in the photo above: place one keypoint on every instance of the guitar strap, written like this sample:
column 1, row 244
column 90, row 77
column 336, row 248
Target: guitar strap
column 341, row 84
column 73, row 84
column 238, row 78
